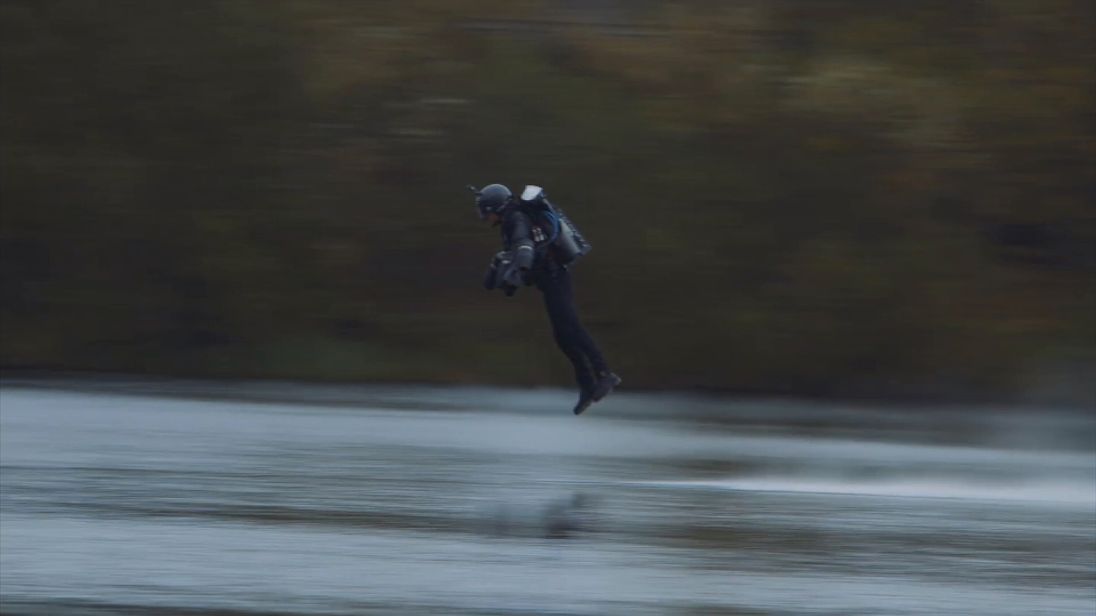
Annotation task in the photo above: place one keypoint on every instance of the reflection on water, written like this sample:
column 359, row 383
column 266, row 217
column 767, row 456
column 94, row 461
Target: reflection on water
column 298, row 500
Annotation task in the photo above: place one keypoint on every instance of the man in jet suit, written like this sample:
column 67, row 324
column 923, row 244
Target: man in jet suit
column 538, row 245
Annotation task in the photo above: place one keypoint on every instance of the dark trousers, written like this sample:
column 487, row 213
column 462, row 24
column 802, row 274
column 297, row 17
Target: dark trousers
column 572, row 338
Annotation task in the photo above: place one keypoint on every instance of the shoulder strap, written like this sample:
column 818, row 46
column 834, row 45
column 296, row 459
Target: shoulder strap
column 553, row 220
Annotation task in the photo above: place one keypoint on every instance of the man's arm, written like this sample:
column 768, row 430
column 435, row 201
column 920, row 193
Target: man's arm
column 520, row 233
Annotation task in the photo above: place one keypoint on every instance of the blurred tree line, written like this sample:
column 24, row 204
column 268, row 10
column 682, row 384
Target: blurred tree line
column 784, row 196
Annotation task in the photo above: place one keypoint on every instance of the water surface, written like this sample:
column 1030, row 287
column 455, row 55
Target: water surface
column 183, row 498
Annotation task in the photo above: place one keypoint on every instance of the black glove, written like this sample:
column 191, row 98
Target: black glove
column 502, row 274
column 490, row 277
column 515, row 276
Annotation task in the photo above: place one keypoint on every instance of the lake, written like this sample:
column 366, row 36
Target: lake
column 187, row 498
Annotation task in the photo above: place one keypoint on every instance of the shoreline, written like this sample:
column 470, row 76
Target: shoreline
column 352, row 392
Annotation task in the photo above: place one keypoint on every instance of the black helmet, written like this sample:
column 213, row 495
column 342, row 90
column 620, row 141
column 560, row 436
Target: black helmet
column 491, row 199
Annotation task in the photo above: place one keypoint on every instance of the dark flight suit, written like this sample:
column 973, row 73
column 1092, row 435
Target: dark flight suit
column 533, row 262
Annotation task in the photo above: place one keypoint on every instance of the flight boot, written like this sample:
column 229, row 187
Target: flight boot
column 606, row 381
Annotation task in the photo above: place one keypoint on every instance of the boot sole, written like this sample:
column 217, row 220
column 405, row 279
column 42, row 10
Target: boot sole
column 606, row 388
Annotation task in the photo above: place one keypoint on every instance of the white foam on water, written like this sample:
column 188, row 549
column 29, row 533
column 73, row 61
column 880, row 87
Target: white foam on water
column 1053, row 492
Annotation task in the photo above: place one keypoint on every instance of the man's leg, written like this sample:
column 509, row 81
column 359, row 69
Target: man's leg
column 560, row 313
column 576, row 332
column 573, row 338
column 605, row 379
